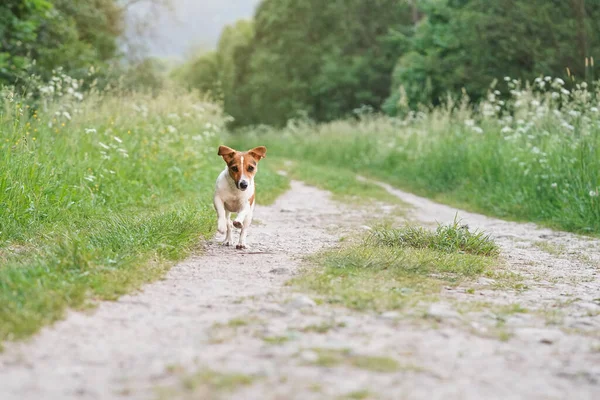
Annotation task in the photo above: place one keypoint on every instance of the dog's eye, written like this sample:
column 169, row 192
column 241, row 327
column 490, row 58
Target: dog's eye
column 234, row 169
column 250, row 168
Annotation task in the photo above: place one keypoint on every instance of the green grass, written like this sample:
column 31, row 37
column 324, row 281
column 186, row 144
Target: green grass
column 342, row 182
column 385, row 273
column 538, row 164
column 335, row 357
column 450, row 238
column 205, row 384
column 102, row 195
column 357, row 395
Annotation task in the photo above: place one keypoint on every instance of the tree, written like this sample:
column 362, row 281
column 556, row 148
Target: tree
column 468, row 43
column 314, row 58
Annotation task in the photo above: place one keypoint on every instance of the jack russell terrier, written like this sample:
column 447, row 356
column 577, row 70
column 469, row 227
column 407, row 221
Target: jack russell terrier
column 234, row 191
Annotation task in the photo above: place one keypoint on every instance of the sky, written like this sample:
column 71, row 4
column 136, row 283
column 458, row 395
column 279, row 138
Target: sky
column 192, row 25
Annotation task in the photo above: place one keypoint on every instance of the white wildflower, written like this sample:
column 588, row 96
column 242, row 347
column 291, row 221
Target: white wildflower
column 470, row 122
column 171, row 129
column 118, row 139
column 559, row 81
column 89, row 178
column 574, row 113
column 507, row 78
column 594, row 109
column 477, row 129
column 66, row 115
column 554, row 185
column 90, row 130
column 593, row 193
column 535, row 150
column 506, row 129
column 103, row 145
column 568, row 126
column 565, row 91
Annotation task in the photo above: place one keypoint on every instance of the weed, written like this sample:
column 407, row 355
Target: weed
column 276, row 340
column 334, row 357
column 387, row 271
column 323, row 327
column 451, row 238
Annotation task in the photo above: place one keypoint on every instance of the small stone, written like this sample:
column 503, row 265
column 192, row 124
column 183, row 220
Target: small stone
column 280, row 271
column 300, row 302
column 390, row 315
column 309, row 356
column 441, row 311
column 544, row 336
column 273, row 309
column 366, row 228
column 286, row 210
column 486, row 281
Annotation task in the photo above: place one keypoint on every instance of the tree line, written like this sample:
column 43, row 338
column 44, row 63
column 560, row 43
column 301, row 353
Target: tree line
column 38, row 37
column 325, row 59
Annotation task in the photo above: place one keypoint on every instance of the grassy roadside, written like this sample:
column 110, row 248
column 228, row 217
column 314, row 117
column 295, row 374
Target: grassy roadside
column 538, row 161
column 342, row 183
column 100, row 195
column 394, row 269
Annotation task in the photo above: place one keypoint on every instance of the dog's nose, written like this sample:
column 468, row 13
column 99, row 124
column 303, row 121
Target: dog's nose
column 243, row 185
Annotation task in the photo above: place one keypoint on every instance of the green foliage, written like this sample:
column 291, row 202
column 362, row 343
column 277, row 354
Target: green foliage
column 38, row 36
column 540, row 162
column 468, row 43
column 309, row 58
column 201, row 74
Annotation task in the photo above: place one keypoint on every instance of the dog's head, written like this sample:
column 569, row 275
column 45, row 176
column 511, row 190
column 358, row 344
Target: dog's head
column 242, row 166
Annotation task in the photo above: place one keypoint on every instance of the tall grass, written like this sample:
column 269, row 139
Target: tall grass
column 532, row 153
column 97, row 192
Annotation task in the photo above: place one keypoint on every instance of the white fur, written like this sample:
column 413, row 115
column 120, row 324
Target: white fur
column 229, row 199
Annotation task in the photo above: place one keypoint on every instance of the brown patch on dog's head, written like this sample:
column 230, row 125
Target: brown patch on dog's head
column 242, row 166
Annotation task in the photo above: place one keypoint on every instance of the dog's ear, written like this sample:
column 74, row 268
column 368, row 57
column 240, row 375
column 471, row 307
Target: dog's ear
column 259, row 152
column 226, row 152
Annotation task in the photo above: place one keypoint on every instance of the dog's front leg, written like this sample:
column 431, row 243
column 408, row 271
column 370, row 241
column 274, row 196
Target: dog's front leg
column 228, row 241
column 221, row 216
column 243, row 220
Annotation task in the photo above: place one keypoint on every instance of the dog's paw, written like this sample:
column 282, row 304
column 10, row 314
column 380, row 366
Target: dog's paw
column 227, row 243
column 241, row 246
column 222, row 226
column 237, row 224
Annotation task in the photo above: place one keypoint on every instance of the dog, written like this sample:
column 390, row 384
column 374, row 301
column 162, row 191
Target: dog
column 235, row 191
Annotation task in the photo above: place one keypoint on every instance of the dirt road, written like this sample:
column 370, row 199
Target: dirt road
column 225, row 325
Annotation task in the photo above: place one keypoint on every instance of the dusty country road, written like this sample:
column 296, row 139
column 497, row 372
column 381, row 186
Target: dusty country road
column 213, row 327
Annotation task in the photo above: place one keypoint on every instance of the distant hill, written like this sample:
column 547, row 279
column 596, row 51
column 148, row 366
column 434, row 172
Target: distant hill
column 193, row 24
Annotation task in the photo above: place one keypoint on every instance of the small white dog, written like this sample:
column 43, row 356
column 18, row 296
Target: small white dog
column 234, row 192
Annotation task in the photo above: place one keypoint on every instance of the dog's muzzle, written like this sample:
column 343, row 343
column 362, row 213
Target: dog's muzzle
column 242, row 185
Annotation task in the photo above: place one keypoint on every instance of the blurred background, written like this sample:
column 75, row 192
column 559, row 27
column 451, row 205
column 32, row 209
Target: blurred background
column 273, row 60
